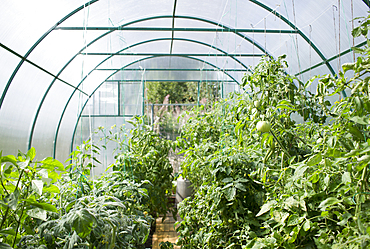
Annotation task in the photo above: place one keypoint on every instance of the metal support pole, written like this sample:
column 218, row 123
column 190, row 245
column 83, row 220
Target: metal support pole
column 222, row 89
column 198, row 94
column 152, row 117
column 143, row 96
column 119, row 98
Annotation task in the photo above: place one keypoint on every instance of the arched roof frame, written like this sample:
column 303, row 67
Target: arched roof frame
column 258, row 3
column 118, row 70
column 293, row 26
column 110, row 56
column 120, row 28
column 24, row 58
column 55, row 27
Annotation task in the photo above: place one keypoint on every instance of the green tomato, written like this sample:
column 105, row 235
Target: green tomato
column 263, row 126
column 257, row 103
column 230, row 221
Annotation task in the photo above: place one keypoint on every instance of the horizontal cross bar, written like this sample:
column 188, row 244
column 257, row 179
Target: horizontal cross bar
column 273, row 31
column 171, row 104
column 168, row 54
column 169, row 81
column 106, row 116
column 173, row 69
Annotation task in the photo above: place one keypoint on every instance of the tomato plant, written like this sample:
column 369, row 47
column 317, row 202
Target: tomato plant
column 145, row 156
column 293, row 185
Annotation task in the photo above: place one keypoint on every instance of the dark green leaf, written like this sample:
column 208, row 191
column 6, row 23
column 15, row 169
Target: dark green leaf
column 8, row 231
column 356, row 132
column 42, row 205
column 5, row 246
column 314, row 160
column 328, row 202
column 82, row 222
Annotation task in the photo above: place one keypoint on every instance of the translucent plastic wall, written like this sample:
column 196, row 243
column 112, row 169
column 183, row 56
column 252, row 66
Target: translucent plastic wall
column 68, row 67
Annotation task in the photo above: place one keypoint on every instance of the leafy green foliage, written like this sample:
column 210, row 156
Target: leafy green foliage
column 40, row 208
column 180, row 92
column 23, row 182
column 302, row 185
column 144, row 157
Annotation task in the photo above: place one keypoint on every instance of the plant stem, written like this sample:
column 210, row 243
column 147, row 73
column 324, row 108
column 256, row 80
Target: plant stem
column 4, row 218
column 20, row 217
column 358, row 206
column 2, row 184
column 280, row 144
column 7, row 209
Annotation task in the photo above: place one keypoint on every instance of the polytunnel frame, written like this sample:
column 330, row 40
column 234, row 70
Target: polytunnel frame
column 55, row 27
column 111, row 55
column 254, row 43
column 24, row 58
column 119, row 70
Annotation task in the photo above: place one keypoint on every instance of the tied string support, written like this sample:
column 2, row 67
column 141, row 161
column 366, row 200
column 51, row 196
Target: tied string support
column 335, row 8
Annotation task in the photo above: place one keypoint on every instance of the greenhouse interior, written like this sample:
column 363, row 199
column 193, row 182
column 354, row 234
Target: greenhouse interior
column 184, row 124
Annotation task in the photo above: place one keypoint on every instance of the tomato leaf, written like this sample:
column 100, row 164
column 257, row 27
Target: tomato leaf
column 227, row 179
column 82, row 222
column 294, row 234
column 346, row 178
column 230, row 193
column 294, row 220
column 7, row 231
column 328, row 202
column 280, row 217
column 240, row 186
column 5, row 246
column 42, row 205
column 306, row 225
column 314, row 160
column 360, row 120
column 266, row 207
